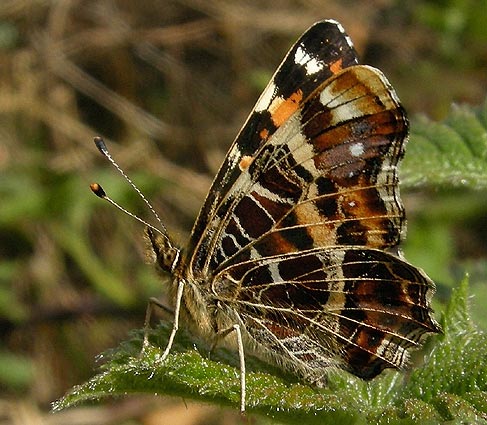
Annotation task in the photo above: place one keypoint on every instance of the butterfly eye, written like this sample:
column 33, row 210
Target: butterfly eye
column 168, row 258
column 161, row 251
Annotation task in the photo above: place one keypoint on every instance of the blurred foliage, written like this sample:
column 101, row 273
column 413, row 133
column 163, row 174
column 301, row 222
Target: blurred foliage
column 168, row 84
column 457, row 23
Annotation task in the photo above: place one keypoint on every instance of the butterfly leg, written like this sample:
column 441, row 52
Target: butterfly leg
column 241, row 355
column 242, row 367
column 175, row 325
column 151, row 305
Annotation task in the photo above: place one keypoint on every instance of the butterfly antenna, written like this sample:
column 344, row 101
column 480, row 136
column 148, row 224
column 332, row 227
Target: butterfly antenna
column 98, row 191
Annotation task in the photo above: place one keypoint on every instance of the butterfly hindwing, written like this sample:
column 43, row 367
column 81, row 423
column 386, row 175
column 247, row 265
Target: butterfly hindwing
column 356, row 308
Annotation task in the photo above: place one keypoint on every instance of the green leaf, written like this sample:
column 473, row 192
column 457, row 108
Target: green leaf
column 450, row 384
column 449, row 153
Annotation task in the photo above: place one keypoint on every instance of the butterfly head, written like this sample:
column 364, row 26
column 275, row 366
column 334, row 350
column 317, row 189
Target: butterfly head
column 161, row 251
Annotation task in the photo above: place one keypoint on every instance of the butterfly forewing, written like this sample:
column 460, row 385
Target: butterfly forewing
column 326, row 177
column 321, row 52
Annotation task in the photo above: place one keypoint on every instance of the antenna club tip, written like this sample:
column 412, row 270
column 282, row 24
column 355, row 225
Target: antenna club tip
column 100, row 144
column 98, row 190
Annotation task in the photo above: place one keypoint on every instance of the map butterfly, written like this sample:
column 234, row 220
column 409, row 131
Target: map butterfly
column 293, row 257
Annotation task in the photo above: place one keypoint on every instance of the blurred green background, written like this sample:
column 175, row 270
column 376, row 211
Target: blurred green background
column 168, row 84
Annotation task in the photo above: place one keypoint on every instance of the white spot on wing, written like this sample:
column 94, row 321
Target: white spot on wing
column 274, row 269
column 265, row 98
column 357, row 149
column 311, row 65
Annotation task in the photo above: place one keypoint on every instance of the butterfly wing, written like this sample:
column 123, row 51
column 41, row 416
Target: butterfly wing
column 321, row 52
column 292, row 237
column 326, row 177
column 355, row 308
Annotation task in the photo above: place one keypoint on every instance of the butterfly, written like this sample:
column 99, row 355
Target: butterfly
column 294, row 255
